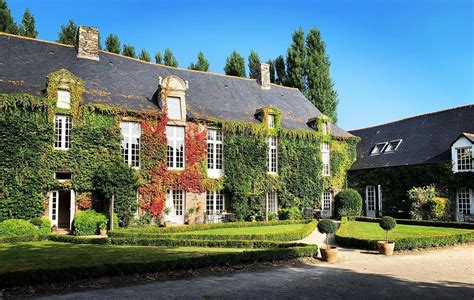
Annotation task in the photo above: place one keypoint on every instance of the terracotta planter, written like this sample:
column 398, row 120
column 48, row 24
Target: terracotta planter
column 386, row 248
column 191, row 220
column 103, row 232
column 329, row 254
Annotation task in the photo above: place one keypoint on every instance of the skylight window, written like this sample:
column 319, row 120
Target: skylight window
column 378, row 148
column 392, row 146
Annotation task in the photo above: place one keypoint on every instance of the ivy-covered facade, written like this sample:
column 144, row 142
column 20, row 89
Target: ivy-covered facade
column 181, row 139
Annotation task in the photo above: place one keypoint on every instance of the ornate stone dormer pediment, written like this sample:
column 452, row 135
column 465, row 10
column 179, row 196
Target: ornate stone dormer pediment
column 173, row 97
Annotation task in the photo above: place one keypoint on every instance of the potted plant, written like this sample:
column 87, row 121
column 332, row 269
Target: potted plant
column 386, row 247
column 103, row 228
column 191, row 215
column 328, row 253
column 167, row 211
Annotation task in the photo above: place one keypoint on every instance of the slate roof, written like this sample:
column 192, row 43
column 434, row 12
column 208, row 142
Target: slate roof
column 129, row 83
column 425, row 138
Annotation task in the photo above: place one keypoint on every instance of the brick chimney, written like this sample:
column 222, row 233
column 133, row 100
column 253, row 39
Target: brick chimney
column 264, row 78
column 87, row 42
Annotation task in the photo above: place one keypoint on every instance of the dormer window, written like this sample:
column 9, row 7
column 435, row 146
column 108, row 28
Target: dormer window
column 324, row 128
column 392, row 146
column 64, row 99
column 271, row 121
column 378, row 149
column 464, row 159
column 174, row 108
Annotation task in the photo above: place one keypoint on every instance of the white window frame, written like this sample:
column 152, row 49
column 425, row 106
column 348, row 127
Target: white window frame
column 177, row 212
column 326, row 197
column 376, row 150
column 271, row 120
column 131, row 138
column 215, row 153
column 215, row 202
column 174, row 112
column 462, row 163
column 370, row 196
column 389, row 149
column 326, row 158
column 325, row 128
column 62, row 132
column 64, row 99
column 176, row 160
column 273, row 155
column 272, row 202
column 462, row 206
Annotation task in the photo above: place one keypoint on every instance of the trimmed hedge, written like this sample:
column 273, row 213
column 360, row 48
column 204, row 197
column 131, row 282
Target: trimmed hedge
column 26, row 277
column 405, row 243
column 24, row 238
column 16, row 228
column 462, row 225
column 87, row 222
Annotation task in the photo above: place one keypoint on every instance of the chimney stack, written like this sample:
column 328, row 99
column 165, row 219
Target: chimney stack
column 264, row 79
column 88, row 43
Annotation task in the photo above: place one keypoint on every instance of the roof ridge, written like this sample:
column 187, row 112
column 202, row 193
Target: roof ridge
column 35, row 39
column 415, row 116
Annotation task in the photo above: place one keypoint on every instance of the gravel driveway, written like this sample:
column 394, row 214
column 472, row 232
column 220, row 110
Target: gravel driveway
column 442, row 274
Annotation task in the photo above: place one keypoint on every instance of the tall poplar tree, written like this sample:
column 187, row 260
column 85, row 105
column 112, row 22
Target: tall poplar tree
column 169, row 59
column 201, row 65
column 7, row 24
column 280, row 70
column 254, row 65
column 112, row 43
column 320, row 87
column 144, row 55
column 158, row 58
column 67, row 35
column 27, row 27
column 129, row 50
column 235, row 65
column 271, row 63
column 295, row 61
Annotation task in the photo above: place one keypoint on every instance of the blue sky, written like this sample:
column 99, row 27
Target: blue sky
column 390, row 58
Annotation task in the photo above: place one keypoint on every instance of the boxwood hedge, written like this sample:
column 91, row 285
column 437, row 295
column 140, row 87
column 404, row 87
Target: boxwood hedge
column 463, row 225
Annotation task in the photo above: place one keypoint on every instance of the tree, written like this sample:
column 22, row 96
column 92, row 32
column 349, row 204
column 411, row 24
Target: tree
column 112, row 43
column 295, row 61
column 201, row 65
column 235, row 65
column 27, row 27
column 67, row 35
column 158, row 58
column 272, row 70
column 129, row 50
column 6, row 20
column 280, row 70
column 144, row 55
column 319, row 85
column 254, row 65
column 169, row 59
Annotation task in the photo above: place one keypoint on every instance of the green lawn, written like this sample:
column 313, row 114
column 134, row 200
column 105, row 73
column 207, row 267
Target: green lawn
column 372, row 231
column 53, row 255
column 247, row 230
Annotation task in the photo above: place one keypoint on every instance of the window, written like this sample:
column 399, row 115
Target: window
column 370, row 190
column 175, row 136
column 272, row 155
column 64, row 99
column 215, row 152
column 131, row 132
column 327, row 199
column 464, row 201
column 62, row 131
column 324, row 128
column 326, row 158
column 271, row 121
column 272, row 199
column 61, row 176
column 214, row 202
column 378, row 148
column 174, row 108
column 177, row 198
column 392, row 146
column 464, row 159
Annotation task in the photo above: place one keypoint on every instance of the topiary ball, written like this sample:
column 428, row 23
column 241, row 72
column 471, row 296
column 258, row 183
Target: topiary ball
column 348, row 202
column 327, row 226
column 387, row 223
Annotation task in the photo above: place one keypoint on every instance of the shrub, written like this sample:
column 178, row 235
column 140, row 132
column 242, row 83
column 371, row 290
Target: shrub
column 327, row 227
column 291, row 213
column 464, row 225
column 387, row 224
column 87, row 222
column 441, row 209
column 348, row 203
column 17, row 228
column 426, row 206
column 43, row 225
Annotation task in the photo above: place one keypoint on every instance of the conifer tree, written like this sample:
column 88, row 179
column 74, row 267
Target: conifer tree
column 144, row 55
column 158, row 58
column 112, row 43
column 271, row 63
column 295, row 61
column 235, row 65
column 7, row 24
column 201, row 65
column 169, row 59
column 129, row 50
column 67, row 35
column 320, row 87
column 27, row 27
column 280, row 70
column 254, row 65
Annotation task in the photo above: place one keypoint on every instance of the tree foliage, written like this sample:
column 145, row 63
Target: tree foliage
column 158, row 58
column 7, row 24
column 295, row 61
column 280, row 70
column 27, row 27
column 169, row 59
column 112, row 43
column 67, row 35
column 144, row 55
column 271, row 63
column 201, row 65
column 129, row 50
column 235, row 65
column 254, row 65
